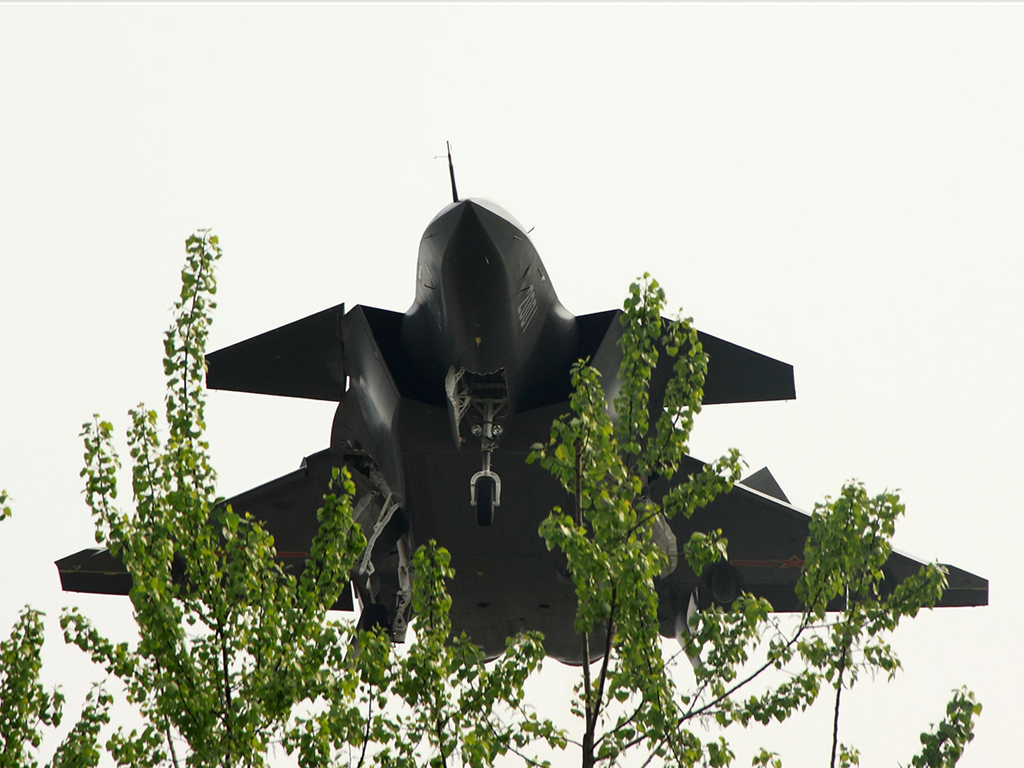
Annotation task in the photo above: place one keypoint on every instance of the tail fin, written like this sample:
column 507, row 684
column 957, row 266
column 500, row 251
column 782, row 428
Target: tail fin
column 764, row 481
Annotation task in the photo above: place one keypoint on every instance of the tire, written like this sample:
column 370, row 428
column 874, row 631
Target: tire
column 485, row 501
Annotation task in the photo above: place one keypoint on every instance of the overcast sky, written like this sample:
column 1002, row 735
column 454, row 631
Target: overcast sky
column 837, row 186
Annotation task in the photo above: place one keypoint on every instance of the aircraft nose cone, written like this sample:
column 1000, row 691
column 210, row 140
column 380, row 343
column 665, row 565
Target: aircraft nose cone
column 472, row 259
column 486, row 210
column 478, row 288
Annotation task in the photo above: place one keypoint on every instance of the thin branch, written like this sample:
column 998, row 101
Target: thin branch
column 603, row 676
column 847, row 643
column 440, row 745
column 227, row 685
column 650, row 757
column 835, row 719
column 726, row 694
column 642, row 521
column 621, row 724
column 181, row 697
column 530, row 761
column 590, row 717
column 588, row 709
column 188, row 327
column 805, row 624
column 366, row 736
column 170, row 743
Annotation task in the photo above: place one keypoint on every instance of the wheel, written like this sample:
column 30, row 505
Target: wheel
column 485, row 501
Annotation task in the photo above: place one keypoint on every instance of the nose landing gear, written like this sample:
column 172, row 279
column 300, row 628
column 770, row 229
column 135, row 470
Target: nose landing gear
column 485, row 494
column 484, row 399
column 485, row 485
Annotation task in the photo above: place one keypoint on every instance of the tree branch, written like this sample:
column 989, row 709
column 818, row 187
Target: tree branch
column 366, row 736
column 835, row 718
column 227, row 687
column 603, row 676
column 170, row 743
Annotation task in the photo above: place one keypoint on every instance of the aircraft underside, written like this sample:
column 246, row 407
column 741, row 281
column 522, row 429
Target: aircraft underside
column 438, row 408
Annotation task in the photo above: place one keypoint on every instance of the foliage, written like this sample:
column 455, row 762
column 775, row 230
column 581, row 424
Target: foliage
column 437, row 704
column 229, row 641
column 606, row 455
column 27, row 706
column 942, row 747
column 603, row 459
column 236, row 654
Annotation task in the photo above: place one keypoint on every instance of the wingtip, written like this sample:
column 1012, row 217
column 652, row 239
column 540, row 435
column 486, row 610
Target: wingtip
column 963, row 589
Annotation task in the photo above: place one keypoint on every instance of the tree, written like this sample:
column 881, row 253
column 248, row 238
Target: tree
column 27, row 707
column 436, row 703
column 229, row 641
column 236, row 653
column 605, row 454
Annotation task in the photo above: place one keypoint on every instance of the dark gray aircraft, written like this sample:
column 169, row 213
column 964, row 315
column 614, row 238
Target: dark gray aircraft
column 438, row 408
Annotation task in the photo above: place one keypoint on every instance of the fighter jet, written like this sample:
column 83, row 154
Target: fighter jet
column 437, row 411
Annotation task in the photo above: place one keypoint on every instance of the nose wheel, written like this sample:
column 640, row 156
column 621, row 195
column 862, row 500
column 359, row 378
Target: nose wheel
column 485, row 485
column 484, row 398
column 485, row 495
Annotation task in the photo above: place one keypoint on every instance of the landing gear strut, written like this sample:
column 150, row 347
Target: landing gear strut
column 484, row 399
column 485, row 494
column 485, row 485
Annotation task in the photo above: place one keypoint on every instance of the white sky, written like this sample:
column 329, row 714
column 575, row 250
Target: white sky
column 836, row 186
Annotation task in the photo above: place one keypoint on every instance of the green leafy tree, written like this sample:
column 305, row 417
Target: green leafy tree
column 235, row 653
column 435, row 704
column 230, row 643
column 26, row 704
column 26, row 707
column 943, row 746
column 605, row 454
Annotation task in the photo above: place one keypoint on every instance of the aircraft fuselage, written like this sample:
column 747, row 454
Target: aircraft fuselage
column 438, row 409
